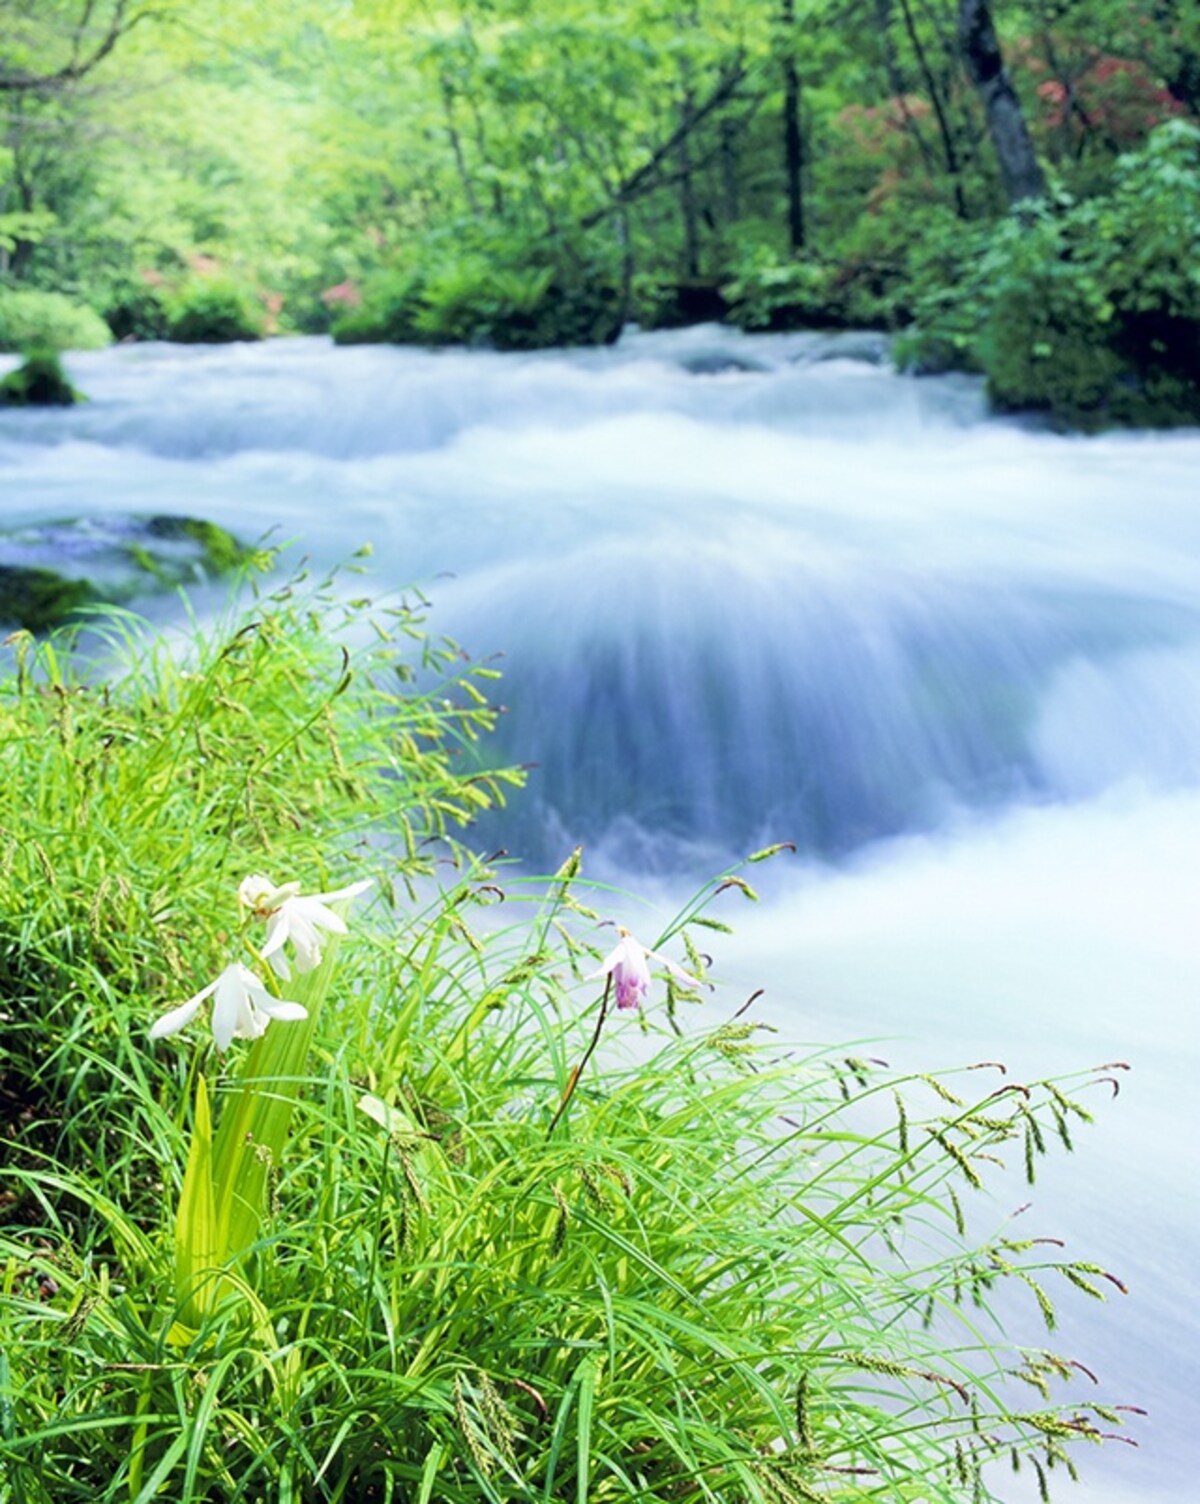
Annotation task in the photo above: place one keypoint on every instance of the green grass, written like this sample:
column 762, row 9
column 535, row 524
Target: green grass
column 734, row 1271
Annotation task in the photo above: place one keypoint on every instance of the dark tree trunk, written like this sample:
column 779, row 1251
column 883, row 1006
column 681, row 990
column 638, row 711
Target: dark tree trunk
column 689, row 207
column 793, row 140
column 729, row 172
column 687, row 191
column 1013, row 145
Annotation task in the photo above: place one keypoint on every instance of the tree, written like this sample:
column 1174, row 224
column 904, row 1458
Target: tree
column 1010, row 136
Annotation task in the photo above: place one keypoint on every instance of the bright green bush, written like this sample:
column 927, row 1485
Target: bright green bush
column 474, row 298
column 706, row 1269
column 1088, row 312
column 1046, row 339
column 388, row 313
column 31, row 320
column 213, row 310
column 769, row 294
column 948, row 294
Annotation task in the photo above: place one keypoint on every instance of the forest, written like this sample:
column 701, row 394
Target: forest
column 1013, row 188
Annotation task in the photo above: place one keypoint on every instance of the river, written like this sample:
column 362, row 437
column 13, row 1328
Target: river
column 755, row 589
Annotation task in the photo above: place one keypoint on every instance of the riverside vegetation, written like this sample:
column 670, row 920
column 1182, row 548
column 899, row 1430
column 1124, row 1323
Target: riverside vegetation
column 482, row 1238
column 1015, row 189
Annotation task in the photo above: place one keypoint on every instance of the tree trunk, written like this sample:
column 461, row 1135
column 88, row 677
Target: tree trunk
column 729, row 172
column 460, row 161
column 793, row 140
column 687, row 190
column 689, row 208
column 1019, row 165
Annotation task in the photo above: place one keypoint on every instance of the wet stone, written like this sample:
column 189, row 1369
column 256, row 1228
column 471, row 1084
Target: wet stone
column 49, row 570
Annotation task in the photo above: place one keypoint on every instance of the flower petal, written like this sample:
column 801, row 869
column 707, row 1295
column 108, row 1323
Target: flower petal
column 284, row 1011
column 178, row 1018
column 277, row 933
column 341, row 895
column 610, row 963
column 228, row 1005
column 260, row 895
column 675, row 969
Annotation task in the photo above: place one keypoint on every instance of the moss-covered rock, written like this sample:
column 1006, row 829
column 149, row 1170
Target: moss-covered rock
column 48, row 571
column 220, row 552
column 39, row 599
column 39, row 382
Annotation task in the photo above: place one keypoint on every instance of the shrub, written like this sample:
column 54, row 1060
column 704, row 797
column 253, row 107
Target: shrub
column 474, row 298
column 492, row 1265
column 31, row 320
column 1045, row 341
column 768, row 294
column 213, row 310
column 137, row 312
column 388, row 312
column 949, row 294
column 1088, row 312
column 851, row 291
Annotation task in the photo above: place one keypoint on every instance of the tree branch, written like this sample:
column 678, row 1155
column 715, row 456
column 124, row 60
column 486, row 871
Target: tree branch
column 120, row 24
column 649, row 176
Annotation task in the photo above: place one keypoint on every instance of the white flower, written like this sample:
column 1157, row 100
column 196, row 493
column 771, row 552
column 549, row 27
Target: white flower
column 260, row 895
column 300, row 919
column 627, row 965
column 242, row 1008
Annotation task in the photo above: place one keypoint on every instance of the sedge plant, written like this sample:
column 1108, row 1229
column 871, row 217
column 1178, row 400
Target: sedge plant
column 469, row 1234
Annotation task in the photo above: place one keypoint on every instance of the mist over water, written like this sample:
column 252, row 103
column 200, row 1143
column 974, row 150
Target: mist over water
column 757, row 589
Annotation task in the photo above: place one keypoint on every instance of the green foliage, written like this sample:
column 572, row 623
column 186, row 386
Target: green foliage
column 1095, row 314
column 164, row 820
column 1088, row 312
column 728, row 1271
column 770, row 294
column 39, row 382
column 214, row 310
column 521, row 173
column 138, row 312
column 949, row 293
column 858, row 285
column 1045, row 340
column 31, row 320
column 502, row 299
column 392, row 303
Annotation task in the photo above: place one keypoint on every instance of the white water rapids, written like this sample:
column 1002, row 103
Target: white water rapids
column 755, row 589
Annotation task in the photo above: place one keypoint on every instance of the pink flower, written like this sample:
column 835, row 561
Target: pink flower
column 629, row 969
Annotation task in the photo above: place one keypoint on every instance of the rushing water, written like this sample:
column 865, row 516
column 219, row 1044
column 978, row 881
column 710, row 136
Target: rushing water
column 757, row 589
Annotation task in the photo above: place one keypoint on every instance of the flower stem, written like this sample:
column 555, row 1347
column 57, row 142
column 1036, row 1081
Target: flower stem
column 573, row 1079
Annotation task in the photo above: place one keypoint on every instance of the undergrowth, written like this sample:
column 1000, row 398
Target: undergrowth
column 707, row 1267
